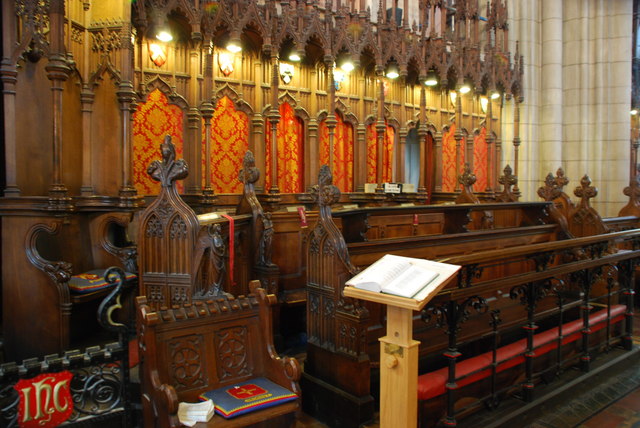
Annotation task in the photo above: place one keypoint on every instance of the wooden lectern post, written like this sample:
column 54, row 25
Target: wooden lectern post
column 398, row 350
column 398, row 359
column 399, row 371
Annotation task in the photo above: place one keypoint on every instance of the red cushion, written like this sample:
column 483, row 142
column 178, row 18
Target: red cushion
column 471, row 370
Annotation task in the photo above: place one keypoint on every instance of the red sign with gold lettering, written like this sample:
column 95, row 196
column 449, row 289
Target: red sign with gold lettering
column 45, row 400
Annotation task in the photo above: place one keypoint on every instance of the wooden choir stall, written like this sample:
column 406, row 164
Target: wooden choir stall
column 190, row 210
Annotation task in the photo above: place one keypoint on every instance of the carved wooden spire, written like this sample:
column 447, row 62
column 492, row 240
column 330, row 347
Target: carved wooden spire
column 169, row 169
column 507, row 180
column 467, row 179
column 633, row 192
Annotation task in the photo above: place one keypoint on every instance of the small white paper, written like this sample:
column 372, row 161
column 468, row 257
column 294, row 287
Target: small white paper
column 191, row 413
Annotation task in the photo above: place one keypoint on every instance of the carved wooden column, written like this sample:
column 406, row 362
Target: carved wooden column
column 458, row 134
column 635, row 142
column 193, row 140
column 498, row 160
column 331, row 120
column 86, row 98
column 57, row 71
column 206, row 111
column 489, row 140
column 360, row 167
column 380, row 127
column 401, row 150
column 438, row 162
column 126, row 99
column 274, row 117
column 9, row 78
column 422, row 139
column 516, row 136
column 313, row 142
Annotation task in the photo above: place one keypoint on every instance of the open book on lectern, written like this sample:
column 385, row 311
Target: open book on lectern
column 403, row 276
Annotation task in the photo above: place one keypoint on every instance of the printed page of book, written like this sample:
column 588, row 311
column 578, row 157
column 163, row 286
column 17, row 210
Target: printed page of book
column 410, row 282
column 380, row 273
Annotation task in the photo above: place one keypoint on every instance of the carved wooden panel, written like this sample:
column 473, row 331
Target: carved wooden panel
column 231, row 348
column 186, row 370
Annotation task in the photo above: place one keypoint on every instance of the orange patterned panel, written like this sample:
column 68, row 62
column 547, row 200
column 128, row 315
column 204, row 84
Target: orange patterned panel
column 480, row 160
column 229, row 143
column 450, row 170
column 342, row 169
column 372, row 153
column 372, row 150
column 151, row 122
column 290, row 152
column 387, row 163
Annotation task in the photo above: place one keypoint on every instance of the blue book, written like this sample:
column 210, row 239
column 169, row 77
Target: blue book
column 245, row 397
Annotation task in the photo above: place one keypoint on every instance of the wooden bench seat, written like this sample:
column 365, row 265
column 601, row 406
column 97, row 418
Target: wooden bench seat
column 194, row 348
column 41, row 313
column 474, row 369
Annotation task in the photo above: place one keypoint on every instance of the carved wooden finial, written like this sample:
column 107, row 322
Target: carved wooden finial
column 467, row 179
column 249, row 174
column 325, row 193
column 633, row 192
column 170, row 169
column 584, row 220
column 560, row 180
column 507, row 180
column 549, row 191
column 585, row 191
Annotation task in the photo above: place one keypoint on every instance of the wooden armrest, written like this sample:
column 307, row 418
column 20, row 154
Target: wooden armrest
column 284, row 371
column 101, row 238
column 58, row 271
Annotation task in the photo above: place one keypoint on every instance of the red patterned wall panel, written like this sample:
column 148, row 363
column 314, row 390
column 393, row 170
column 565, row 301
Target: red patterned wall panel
column 151, row 122
column 290, row 152
column 229, row 143
column 342, row 169
column 450, row 170
column 372, row 153
column 480, row 160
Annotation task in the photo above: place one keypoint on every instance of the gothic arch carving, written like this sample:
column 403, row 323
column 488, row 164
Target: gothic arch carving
column 105, row 67
column 157, row 82
column 238, row 103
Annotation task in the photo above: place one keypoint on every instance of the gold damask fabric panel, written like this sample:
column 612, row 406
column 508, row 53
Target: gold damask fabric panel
column 290, row 148
column 343, row 137
column 450, row 170
column 480, row 150
column 387, row 153
column 229, row 143
column 152, row 120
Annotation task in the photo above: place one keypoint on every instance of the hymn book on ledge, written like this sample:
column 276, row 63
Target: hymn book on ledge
column 404, row 276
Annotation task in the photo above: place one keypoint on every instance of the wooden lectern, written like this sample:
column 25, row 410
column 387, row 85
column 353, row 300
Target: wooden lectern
column 398, row 350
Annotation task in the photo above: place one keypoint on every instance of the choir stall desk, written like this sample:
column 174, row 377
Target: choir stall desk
column 398, row 355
